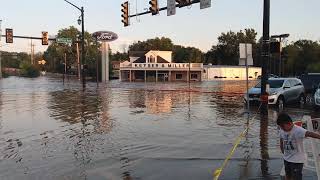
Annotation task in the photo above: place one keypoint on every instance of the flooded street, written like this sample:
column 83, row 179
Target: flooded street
column 133, row 131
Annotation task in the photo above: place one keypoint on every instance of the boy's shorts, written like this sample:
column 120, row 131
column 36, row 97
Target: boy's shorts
column 293, row 170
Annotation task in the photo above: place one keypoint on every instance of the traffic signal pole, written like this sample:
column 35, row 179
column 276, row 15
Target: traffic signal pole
column 265, row 56
column 30, row 37
column 165, row 8
column 82, row 43
column 82, row 50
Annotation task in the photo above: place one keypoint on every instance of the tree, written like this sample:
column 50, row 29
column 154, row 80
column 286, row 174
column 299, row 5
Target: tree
column 302, row 56
column 55, row 52
column 161, row 44
column 180, row 53
column 187, row 54
column 227, row 50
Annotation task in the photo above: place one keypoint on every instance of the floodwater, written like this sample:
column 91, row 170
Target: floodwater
column 133, row 131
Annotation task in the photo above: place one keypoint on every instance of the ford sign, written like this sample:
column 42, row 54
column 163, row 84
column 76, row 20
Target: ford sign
column 106, row 36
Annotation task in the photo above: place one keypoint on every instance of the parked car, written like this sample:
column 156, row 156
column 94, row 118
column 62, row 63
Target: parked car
column 281, row 91
column 310, row 82
column 317, row 97
column 269, row 76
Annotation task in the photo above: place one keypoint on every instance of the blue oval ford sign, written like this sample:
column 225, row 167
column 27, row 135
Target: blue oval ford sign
column 106, row 36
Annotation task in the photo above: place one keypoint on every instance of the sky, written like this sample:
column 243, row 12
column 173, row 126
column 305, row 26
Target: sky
column 189, row 27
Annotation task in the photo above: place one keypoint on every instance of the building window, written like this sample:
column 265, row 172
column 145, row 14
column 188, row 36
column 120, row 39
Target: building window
column 152, row 59
column 194, row 76
column 178, row 76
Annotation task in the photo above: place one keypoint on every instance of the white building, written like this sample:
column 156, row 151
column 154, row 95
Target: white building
column 158, row 66
column 216, row 72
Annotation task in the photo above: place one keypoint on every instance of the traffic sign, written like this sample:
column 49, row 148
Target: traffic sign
column 64, row 40
column 205, row 4
column 171, row 10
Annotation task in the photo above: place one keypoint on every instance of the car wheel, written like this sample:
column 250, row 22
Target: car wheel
column 309, row 99
column 302, row 100
column 280, row 103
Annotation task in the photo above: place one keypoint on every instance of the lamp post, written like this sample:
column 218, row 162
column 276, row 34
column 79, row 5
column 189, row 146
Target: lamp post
column 83, row 61
column 281, row 37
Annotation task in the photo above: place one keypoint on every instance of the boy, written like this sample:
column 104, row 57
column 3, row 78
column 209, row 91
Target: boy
column 291, row 145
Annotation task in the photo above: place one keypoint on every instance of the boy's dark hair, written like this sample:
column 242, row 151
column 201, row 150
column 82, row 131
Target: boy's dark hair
column 283, row 118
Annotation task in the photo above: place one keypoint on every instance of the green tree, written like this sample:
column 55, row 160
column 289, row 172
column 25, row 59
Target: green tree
column 161, row 44
column 226, row 52
column 13, row 59
column 54, row 55
column 302, row 56
column 187, row 54
column 180, row 53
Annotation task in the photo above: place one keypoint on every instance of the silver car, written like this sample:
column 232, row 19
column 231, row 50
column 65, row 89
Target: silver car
column 281, row 91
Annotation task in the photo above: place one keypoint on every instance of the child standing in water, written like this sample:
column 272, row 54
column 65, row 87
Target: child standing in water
column 291, row 145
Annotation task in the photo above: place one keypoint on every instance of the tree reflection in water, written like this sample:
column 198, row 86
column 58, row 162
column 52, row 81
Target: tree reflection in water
column 88, row 116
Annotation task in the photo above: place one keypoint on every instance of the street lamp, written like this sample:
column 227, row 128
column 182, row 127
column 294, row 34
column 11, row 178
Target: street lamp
column 281, row 64
column 81, row 21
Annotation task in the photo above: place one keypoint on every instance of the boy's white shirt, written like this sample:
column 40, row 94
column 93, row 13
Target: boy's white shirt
column 293, row 144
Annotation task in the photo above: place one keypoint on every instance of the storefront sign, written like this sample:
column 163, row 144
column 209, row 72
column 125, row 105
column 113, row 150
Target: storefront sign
column 105, row 36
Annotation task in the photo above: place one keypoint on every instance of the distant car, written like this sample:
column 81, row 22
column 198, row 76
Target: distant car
column 317, row 98
column 281, row 91
column 269, row 76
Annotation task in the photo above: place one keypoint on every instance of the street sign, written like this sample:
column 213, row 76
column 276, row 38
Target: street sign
column 171, row 10
column 205, row 4
column 105, row 36
column 245, row 51
column 64, row 40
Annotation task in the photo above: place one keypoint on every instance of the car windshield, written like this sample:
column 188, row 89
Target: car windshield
column 272, row 83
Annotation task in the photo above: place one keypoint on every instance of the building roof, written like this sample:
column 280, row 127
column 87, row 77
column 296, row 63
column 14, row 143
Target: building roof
column 161, row 60
column 140, row 60
column 137, row 53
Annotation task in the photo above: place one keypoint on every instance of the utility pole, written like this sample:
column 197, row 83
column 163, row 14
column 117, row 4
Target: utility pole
column 0, row 50
column 265, row 55
column 83, row 52
column 32, row 53
column 31, row 58
column 78, row 61
column 82, row 43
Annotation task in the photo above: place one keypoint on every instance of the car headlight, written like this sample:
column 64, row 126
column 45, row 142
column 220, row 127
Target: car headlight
column 317, row 93
column 274, row 93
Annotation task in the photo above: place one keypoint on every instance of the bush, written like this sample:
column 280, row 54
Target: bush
column 29, row 70
column 4, row 74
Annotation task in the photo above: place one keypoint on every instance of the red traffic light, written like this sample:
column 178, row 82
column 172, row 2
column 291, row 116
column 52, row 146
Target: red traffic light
column 9, row 35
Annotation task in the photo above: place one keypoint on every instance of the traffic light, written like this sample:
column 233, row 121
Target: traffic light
column 125, row 13
column 154, row 7
column 45, row 38
column 183, row 2
column 9, row 35
column 275, row 47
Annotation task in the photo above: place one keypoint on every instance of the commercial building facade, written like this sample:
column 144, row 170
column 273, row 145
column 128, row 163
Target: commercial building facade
column 216, row 72
column 157, row 66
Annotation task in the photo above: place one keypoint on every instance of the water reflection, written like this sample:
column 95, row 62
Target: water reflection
column 114, row 132
column 87, row 108
column 159, row 101
column 264, row 121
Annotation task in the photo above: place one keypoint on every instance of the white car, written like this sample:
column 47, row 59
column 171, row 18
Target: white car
column 282, row 91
